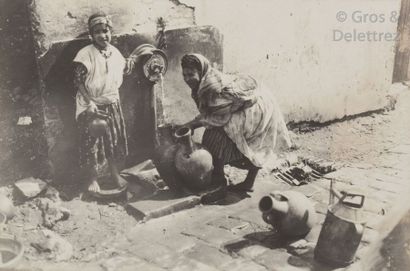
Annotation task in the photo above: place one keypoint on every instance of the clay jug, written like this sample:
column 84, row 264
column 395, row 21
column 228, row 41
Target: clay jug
column 192, row 161
column 164, row 158
column 98, row 127
column 342, row 230
column 290, row 213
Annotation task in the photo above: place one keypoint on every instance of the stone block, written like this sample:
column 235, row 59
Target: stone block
column 213, row 195
column 322, row 196
column 308, row 190
column 155, row 253
column 161, row 205
column 369, row 236
column 208, row 255
column 234, row 246
column 228, row 223
column 348, row 175
column 253, row 216
column 186, row 264
column 374, row 221
column 389, row 175
column 211, row 235
column 374, row 206
column 179, row 242
column 252, row 251
column 321, row 208
column 242, row 264
column 30, row 187
column 128, row 264
column 314, row 233
column 275, row 259
column 387, row 186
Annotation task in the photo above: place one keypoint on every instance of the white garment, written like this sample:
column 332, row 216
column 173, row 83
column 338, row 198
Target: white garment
column 104, row 76
column 256, row 130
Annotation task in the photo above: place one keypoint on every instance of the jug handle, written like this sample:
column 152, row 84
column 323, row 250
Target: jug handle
column 352, row 204
column 359, row 228
column 339, row 194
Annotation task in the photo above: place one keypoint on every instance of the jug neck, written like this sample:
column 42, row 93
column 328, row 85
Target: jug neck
column 183, row 136
column 270, row 203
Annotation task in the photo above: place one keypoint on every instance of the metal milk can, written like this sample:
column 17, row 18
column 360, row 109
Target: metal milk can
column 342, row 230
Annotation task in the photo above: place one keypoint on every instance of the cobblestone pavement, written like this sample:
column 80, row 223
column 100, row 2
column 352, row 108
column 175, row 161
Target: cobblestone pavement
column 372, row 153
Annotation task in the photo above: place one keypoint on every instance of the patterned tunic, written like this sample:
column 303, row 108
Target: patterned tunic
column 97, row 79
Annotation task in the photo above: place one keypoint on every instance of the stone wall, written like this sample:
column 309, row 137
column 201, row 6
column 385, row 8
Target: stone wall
column 290, row 45
column 22, row 147
column 59, row 20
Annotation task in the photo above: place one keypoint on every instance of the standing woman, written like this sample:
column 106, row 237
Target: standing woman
column 98, row 75
column 242, row 119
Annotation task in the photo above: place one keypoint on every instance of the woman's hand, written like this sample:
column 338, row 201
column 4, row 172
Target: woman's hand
column 91, row 109
column 193, row 124
column 129, row 65
column 186, row 125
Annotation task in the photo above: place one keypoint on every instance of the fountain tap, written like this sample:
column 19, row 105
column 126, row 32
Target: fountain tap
column 154, row 61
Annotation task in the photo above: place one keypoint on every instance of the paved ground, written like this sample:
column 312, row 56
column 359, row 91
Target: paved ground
column 372, row 152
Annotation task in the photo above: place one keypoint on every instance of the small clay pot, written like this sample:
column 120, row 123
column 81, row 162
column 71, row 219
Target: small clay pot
column 98, row 127
column 6, row 207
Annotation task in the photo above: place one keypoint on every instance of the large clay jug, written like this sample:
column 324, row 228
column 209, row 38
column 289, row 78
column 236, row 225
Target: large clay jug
column 164, row 158
column 192, row 161
column 291, row 213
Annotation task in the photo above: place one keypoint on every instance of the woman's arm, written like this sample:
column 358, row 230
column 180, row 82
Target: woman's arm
column 80, row 74
column 194, row 124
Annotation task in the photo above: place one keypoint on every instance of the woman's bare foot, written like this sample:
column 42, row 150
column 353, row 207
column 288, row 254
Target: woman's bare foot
column 241, row 187
column 94, row 187
column 247, row 184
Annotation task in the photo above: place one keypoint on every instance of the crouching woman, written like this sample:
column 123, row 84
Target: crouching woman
column 241, row 118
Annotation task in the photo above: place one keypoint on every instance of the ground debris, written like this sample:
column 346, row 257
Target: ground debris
column 50, row 242
column 30, row 187
column 52, row 211
column 114, row 263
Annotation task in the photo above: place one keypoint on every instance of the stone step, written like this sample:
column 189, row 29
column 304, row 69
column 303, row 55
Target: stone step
column 165, row 202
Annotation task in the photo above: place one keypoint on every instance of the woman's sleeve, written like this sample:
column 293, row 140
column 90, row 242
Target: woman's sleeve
column 215, row 111
column 80, row 73
column 83, row 100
